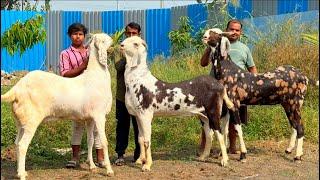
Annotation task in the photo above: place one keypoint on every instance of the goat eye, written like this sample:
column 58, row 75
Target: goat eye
column 136, row 44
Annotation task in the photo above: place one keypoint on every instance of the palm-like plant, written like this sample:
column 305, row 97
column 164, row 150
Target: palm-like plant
column 312, row 39
column 114, row 50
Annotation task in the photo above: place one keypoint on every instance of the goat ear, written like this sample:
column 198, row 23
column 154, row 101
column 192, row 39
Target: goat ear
column 224, row 47
column 144, row 44
column 133, row 60
column 102, row 52
column 88, row 42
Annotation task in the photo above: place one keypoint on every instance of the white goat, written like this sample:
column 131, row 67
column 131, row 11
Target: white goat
column 146, row 96
column 41, row 96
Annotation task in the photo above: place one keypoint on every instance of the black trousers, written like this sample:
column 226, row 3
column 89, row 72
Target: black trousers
column 123, row 128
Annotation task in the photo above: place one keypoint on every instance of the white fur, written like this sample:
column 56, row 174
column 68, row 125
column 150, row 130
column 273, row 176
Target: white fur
column 43, row 96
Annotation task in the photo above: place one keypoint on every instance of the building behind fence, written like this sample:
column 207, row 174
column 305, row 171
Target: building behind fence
column 156, row 25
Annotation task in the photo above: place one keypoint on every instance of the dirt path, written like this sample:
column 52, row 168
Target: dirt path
column 265, row 160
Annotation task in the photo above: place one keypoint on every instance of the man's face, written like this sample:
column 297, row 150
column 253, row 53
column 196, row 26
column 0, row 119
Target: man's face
column 236, row 29
column 77, row 38
column 131, row 32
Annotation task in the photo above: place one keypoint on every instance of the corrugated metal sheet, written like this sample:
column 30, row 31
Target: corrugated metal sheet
column 198, row 16
column 289, row 6
column 313, row 5
column 264, row 8
column 112, row 21
column 31, row 59
column 93, row 21
column 157, row 31
column 54, row 40
column 176, row 13
column 69, row 17
column 241, row 12
column 137, row 16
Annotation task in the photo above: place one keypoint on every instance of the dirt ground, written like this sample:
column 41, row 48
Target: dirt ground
column 265, row 160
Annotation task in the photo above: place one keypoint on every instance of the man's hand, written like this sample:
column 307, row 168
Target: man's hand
column 84, row 65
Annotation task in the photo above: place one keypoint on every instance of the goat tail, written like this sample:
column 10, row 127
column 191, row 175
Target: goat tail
column 9, row 96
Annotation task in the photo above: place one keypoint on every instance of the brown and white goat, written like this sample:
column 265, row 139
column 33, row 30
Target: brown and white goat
column 146, row 97
column 286, row 85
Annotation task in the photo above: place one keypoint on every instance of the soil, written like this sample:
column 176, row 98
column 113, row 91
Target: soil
column 265, row 160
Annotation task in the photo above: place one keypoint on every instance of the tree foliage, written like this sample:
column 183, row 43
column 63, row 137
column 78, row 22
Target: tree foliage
column 181, row 38
column 24, row 5
column 22, row 36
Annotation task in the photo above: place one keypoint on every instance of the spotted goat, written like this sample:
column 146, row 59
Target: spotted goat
column 146, row 97
column 286, row 85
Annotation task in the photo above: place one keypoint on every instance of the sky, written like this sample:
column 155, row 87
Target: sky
column 109, row 5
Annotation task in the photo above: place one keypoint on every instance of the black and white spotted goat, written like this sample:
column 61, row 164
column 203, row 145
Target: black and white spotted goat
column 146, row 97
column 286, row 85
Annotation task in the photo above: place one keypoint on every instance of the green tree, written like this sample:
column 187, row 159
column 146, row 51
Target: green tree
column 24, row 5
column 22, row 36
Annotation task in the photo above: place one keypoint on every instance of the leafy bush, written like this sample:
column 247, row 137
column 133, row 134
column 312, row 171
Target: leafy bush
column 181, row 38
column 22, row 36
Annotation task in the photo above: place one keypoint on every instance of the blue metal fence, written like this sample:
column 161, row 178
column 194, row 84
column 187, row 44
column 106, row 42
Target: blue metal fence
column 157, row 32
column 112, row 21
column 198, row 16
column 290, row 6
column 156, row 25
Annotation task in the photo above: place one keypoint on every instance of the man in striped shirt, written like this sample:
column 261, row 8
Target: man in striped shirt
column 73, row 61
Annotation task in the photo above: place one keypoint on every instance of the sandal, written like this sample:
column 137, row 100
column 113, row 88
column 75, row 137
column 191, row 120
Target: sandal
column 119, row 161
column 72, row 164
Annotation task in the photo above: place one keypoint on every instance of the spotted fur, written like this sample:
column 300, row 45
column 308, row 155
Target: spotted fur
column 285, row 85
column 146, row 96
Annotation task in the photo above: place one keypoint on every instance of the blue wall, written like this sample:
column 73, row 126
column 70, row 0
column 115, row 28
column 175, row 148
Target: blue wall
column 157, row 32
column 289, row 6
column 112, row 21
column 198, row 16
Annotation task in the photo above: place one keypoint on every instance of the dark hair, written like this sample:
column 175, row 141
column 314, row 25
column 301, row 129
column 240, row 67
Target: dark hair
column 77, row 27
column 134, row 25
column 234, row 21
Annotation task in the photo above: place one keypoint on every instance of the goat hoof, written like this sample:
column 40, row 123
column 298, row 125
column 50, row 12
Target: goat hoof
column 110, row 173
column 93, row 170
column 92, row 167
column 22, row 175
column 145, row 168
column 288, row 152
column 138, row 161
column 224, row 163
column 243, row 157
column 298, row 159
column 202, row 159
